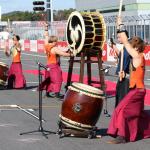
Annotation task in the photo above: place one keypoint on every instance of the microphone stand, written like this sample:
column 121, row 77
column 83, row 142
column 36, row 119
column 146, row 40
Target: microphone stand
column 106, row 70
column 40, row 129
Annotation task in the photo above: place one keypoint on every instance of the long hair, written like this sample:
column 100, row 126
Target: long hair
column 138, row 43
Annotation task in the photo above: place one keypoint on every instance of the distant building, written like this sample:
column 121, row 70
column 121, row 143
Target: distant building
column 136, row 15
column 111, row 7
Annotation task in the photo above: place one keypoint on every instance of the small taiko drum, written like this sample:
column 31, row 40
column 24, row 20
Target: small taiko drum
column 82, row 106
column 3, row 73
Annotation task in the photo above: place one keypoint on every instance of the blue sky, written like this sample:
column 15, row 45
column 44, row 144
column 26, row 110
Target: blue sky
column 11, row 5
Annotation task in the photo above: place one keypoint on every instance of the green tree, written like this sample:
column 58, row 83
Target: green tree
column 32, row 16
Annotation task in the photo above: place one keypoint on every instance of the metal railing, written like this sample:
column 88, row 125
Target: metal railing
column 135, row 25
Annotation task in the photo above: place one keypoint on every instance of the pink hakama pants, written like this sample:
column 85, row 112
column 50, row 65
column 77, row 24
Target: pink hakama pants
column 53, row 79
column 16, row 78
column 129, row 118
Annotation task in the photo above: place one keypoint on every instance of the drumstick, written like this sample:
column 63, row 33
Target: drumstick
column 8, row 24
column 120, row 8
column 22, row 109
column 121, row 62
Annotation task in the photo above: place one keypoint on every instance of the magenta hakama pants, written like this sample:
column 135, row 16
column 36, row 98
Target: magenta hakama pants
column 129, row 118
column 53, row 79
column 16, row 78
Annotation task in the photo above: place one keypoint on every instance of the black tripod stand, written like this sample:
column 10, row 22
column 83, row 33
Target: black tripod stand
column 106, row 71
column 40, row 129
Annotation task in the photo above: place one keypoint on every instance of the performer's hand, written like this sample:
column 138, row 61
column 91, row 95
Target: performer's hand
column 121, row 75
column 18, row 47
column 119, row 21
column 68, row 50
column 7, row 53
column 46, row 26
column 71, row 54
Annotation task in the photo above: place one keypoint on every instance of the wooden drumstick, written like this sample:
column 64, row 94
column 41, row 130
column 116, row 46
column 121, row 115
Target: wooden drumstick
column 8, row 24
column 120, row 8
column 121, row 62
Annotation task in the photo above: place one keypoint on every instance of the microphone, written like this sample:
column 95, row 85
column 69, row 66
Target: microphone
column 106, row 70
column 43, row 66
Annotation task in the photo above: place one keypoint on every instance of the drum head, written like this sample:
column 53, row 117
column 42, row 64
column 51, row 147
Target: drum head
column 75, row 32
column 87, row 90
column 86, row 30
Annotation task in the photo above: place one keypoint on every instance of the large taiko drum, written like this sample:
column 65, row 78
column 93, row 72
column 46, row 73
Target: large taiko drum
column 85, row 30
column 3, row 73
column 81, row 107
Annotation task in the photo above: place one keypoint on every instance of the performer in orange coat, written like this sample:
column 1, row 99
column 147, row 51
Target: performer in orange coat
column 16, row 78
column 53, row 77
column 129, row 121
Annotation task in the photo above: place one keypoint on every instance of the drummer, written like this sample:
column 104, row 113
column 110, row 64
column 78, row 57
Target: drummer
column 53, row 77
column 130, row 121
column 16, row 78
column 122, row 87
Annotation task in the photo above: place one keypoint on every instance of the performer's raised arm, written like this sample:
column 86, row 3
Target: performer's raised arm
column 124, row 38
column 46, row 33
column 130, row 48
column 7, row 52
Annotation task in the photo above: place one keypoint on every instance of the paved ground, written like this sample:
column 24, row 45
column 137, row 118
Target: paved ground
column 14, row 121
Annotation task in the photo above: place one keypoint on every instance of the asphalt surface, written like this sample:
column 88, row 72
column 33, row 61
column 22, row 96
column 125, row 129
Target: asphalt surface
column 14, row 119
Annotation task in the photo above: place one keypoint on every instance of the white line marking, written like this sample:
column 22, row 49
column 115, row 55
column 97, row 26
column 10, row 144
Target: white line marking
column 34, row 90
column 32, row 82
column 110, row 65
column 10, row 109
column 29, row 140
column 8, row 125
column 4, row 58
column 35, row 55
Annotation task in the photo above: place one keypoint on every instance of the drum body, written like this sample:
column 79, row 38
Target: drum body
column 3, row 73
column 82, row 106
column 86, row 30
